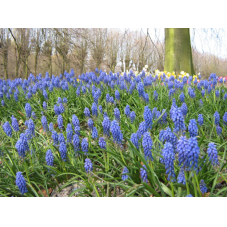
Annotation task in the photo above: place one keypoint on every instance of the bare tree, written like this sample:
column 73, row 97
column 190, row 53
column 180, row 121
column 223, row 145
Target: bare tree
column 5, row 43
column 47, row 48
column 98, row 40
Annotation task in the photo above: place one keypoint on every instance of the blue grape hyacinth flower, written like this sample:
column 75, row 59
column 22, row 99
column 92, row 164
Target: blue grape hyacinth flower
column 56, row 110
column 189, row 195
column 117, row 114
column 69, row 131
column 213, row 154
column 148, row 116
column 143, row 174
column 184, row 109
column 134, row 139
column 49, row 158
column 193, row 128
column 102, row 143
column 216, row 118
column 140, row 88
column 88, row 165
column 218, row 130
column 31, row 126
column 225, row 118
column 200, row 119
column 178, row 120
column 106, row 126
column 21, row 183
column 7, row 129
column 44, row 123
column 51, row 126
column 147, row 146
column 28, row 110
column 181, row 177
column 132, row 116
column 63, row 151
column 183, row 152
column 86, row 112
column 60, row 122
column 94, row 109
column 169, row 157
column 117, row 95
column 90, row 123
column 75, row 121
column 84, row 146
column 125, row 174
column 116, row 132
column 203, row 187
column 193, row 153
column 181, row 97
column 15, row 124
column 94, row 133
column 76, row 143
column 55, row 137
column 127, row 111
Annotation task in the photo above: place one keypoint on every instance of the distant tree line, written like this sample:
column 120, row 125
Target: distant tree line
column 38, row 50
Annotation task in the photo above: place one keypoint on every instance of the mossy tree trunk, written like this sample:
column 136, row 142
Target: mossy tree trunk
column 178, row 52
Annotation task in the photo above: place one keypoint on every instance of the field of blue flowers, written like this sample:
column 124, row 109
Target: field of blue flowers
column 143, row 135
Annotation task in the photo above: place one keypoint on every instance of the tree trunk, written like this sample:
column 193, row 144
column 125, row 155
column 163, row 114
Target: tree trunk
column 26, row 68
column 5, row 63
column 50, row 65
column 178, row 53
column 36, row 62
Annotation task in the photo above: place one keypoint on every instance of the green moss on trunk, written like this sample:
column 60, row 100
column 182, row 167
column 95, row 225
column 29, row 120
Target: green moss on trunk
column 178, row 53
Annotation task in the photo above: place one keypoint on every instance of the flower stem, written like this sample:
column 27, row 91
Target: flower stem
column 186, row 179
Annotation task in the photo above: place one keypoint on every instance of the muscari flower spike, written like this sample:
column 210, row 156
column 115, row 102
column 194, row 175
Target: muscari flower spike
column 94, row 109
column 203, row 187
column 117, row 114
column 84, row 146
column 183, row 152
column 213, row 154
column 7, row 129
column 189, row 195
column 86, row 112
column 94, row 133
column 143, row 174
column 178, row 120
column 148, row 116
column 69, row 131
column 125, row 174
column 55, row 137
column 147, row 146
column 200, row 119
column 60, row 122
column 169, row 157
column 44, row 123
column 127, row 111
column 28, row 110
column 76, row 143
column 216, row 118
column 116, row 132
column 193, row 153
column 21, row 183
column 132, row 116
column 193, row 128
column 218, row 130
column 88, row 165
column 49, row 158
column 15, row 124
column 181, row 177
column 134, row 139
column 63, row 151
